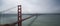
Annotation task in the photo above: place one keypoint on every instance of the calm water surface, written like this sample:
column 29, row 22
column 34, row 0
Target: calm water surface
column 41, row 20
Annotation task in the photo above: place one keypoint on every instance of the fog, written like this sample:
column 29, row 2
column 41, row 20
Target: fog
column 31, row 6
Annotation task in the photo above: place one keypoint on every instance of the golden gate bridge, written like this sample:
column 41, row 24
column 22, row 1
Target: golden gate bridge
column 19, row 22
column 19, row 15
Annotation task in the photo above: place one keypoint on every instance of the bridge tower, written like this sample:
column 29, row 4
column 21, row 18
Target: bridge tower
column 20, row 15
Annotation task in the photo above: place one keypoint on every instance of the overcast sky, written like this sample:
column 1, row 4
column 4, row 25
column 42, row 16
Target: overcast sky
column 31, row 6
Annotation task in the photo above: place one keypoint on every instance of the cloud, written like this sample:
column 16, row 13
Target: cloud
column 41, row 6
column 35, row 6
column 1, row 2
column 7, row 4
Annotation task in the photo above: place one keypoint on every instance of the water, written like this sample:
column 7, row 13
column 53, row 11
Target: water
column 42, row 20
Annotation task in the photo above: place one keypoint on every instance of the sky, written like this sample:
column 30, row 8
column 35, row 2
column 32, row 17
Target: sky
column 30, row 6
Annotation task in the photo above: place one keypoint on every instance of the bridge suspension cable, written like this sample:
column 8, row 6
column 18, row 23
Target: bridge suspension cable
column 8, row 9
